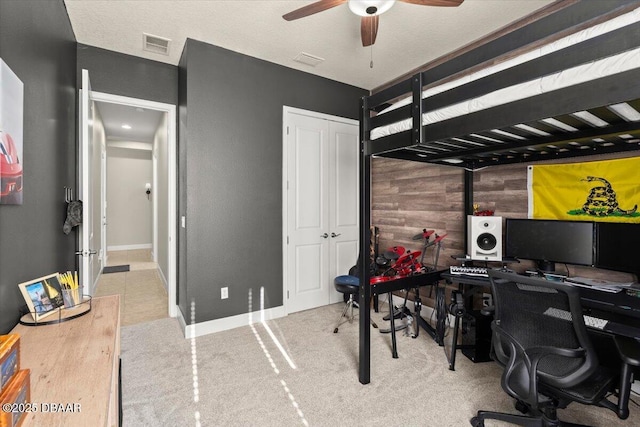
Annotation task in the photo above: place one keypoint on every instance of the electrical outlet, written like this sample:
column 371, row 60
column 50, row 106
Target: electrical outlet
column 224, row 293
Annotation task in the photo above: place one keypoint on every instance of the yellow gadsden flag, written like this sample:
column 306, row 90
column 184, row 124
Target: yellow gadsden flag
column 606, row 190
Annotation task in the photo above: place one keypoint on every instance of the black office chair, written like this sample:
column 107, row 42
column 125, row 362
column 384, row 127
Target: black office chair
column 540, row 338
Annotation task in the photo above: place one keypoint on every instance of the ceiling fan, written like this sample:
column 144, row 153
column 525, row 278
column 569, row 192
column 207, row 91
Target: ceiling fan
column 370, row 10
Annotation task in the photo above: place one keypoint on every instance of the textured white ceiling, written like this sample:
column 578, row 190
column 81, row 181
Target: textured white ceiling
column 408, row 36
column 143, row 122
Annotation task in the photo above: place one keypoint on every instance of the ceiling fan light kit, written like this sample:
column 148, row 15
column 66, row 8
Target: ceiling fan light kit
column 370, row 7
column 369, row 10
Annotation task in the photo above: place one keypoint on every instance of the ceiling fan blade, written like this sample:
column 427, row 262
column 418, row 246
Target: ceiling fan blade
column 444, row 3
column 312, row 8
column 369, row 29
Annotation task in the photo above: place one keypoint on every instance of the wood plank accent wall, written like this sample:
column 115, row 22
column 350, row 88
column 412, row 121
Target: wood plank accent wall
column 409, row 196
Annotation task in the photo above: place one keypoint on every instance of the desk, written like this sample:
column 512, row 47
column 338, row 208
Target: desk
column 622, row 330
column 75, row 362
column 620, row 309
column 406, row 283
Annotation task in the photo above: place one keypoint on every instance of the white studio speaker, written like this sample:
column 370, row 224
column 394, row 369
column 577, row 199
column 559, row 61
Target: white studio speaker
column 484, row 235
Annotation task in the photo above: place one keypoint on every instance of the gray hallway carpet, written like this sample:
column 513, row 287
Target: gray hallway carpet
column 241, row 377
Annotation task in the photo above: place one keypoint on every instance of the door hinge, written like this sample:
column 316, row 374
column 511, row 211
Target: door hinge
column 287, row 294
column 287, row 240
column 287, row 130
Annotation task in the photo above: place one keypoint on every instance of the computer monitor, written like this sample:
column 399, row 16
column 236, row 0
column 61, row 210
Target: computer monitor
column 550, row 241
column 618, row 246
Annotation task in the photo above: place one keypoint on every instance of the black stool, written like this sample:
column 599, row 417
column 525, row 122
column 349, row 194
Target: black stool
column 347, row 285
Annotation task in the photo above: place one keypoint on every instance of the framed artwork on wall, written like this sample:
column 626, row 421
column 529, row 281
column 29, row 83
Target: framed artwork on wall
column 11, row 136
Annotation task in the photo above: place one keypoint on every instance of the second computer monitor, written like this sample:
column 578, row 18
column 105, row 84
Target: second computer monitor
column 617, row 246
column 550, row 241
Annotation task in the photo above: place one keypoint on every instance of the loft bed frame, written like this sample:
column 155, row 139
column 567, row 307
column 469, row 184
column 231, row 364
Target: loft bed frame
column 541, row 126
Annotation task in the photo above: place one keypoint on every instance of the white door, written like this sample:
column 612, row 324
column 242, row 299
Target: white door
column 322, row 207
column 87, row 249
column 343, row 201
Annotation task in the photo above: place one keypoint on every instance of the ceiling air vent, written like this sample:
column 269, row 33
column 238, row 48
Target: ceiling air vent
column 308, row 59
column 155, row 44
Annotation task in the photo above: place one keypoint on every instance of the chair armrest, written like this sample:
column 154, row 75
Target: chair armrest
column 536, row 354
column 543, row 351
column 629, row 350
column 530, row 359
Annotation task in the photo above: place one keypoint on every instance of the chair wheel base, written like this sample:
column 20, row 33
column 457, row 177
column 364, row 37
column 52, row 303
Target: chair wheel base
column 476, row 422
column 521, row 407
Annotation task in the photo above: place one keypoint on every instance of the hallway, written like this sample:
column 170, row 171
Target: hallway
column 143, row 296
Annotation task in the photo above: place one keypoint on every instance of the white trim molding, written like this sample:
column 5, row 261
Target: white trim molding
column 231, row 322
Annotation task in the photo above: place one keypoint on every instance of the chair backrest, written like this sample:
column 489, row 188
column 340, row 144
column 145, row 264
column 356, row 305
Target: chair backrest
column 538, row 313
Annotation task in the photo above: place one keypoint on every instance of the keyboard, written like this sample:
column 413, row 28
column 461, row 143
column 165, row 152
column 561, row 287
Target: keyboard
column 594, row 322
column 589, row 321
column 469, row 271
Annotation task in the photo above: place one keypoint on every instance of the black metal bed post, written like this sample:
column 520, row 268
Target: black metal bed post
column 416, row 112
column 365, row 238
column 468, row 204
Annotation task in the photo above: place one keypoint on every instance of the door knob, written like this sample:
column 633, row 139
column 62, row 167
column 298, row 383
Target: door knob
column 86, row 253
column 335, row 235
column 325, row 235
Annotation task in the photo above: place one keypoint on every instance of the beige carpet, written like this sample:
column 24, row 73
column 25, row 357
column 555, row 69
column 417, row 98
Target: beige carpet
column 241, row 378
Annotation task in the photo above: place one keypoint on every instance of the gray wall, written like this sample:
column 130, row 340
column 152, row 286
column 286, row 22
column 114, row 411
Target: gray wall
column 126, row 75
column 38, row 44
column 231, row 179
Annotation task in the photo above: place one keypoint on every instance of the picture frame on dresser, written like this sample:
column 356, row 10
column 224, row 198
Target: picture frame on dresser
column 43, row 295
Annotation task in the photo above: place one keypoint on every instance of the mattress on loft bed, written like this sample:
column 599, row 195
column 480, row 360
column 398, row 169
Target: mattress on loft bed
column 608, row 66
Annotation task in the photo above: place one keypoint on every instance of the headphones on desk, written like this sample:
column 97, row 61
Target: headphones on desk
column 456, row 307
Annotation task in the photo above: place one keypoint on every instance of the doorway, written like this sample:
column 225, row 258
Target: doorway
column 138, row 222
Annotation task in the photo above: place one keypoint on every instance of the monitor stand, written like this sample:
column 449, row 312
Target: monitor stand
column 546, row 266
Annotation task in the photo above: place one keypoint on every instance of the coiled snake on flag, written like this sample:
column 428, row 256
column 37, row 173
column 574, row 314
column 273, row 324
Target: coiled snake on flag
column 602, row 200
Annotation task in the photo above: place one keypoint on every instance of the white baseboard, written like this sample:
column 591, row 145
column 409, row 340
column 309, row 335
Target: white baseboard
column 130, row 247
column 232, row 322
column 164, row 279
column 183, row 324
